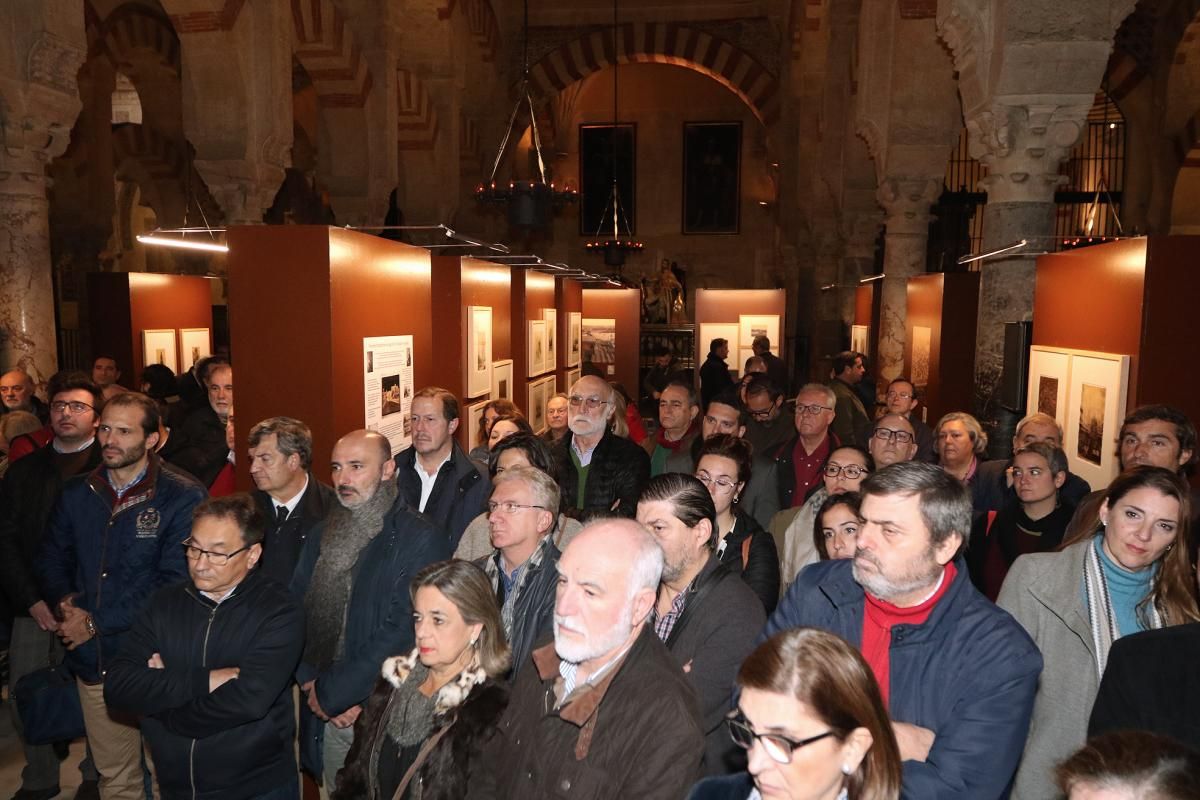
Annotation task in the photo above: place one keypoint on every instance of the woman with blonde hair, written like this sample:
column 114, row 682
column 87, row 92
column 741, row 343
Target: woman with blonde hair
column 1133, row 574
column 812, row 719
column 428, row 719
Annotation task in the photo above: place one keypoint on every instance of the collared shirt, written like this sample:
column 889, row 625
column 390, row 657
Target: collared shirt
column 568, row 671
column 666, row 623
column 290, row 505
column 427, row 480
column 120, row 491
column 59, row 448
column 809, row 467
column 212, row 597
column 585, row 457
column 509, row 580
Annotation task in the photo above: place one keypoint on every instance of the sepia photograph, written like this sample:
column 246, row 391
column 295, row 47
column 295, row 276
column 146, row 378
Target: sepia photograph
column 575, row 338
column 536, row 347
column 1091, row 423
column 392, row 398
column 550, row 315
column 921, row 341
column 478, row 360
column 1047, row 402
column 600, row 340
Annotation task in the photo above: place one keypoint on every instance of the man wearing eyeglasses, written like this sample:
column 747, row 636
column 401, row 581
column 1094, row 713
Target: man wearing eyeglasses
column 28, row 493
column 892, row 441
column 993, row 487
column 521, row 514
column 598, row 471
column 902, row 399
column 115, row 538
column 770, row 422
column 800, row 461
column 725, row 415
column 208, row 666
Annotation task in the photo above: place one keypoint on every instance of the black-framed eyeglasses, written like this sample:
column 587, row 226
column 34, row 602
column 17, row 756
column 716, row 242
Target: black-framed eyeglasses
column 761, row 413
column 892, row 435
column 76, row 406
column 216, row 559
column 851, row 471
column 509, row 508
column 813, row 409
column 779, row 748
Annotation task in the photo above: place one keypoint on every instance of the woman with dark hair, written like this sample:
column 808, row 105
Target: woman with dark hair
column 706, row 616
column 492, row 410
column 1129, row 765
column 741, row 543
column 1131, row 575
column 518, row 450
column 835, row 532
column 429, row 718
column 506, row 426
column 812, row 719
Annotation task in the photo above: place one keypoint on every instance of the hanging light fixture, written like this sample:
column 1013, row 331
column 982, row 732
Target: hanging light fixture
column 531, row 203
column 616, row 242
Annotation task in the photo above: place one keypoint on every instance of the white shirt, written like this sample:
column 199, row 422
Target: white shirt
column 290, row 505
column 427, row 480
column 59, row 447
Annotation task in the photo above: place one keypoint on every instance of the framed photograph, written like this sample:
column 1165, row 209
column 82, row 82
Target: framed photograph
column 536, row 345
column 158, row 347
column 600, row 341
column 1049, row 376
column 479, row 350
column 922, row 340
column 751, row 325
column 571, row 378
column 720, row 330
column 574, row 338
column 194, row 344
column 596, row 168
column 474, row 415
column 860, row 339
column 550, row 315
column 502, row 379
column 1096, row 397
column 536, row 405
column 712, row 153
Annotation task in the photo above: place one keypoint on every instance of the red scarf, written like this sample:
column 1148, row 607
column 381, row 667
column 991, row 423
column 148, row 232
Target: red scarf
column 661, row 440
column 880, row 617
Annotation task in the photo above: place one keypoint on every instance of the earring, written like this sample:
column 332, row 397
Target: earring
column 473, row 642
column 846, row 770
column 735, row 499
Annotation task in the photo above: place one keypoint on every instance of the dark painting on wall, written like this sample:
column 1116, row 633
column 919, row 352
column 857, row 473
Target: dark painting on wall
column 712, row 154
column 596, row 159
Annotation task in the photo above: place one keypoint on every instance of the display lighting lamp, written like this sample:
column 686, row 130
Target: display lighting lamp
column 178, row 238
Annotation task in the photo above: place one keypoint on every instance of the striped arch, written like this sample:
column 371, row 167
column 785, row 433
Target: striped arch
column 133, row 29
column 662, row 43
column 325, row 46
column 164, row 162
column 481, row 22
column 416, row 113
column 470, row 146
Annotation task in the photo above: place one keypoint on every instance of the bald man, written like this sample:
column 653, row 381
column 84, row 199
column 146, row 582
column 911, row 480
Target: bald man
column 353, row 577
column 599, row 472
column 16, row 394
column 892, row 440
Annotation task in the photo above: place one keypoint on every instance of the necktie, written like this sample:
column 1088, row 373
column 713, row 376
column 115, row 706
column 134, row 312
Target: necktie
column 281, row 514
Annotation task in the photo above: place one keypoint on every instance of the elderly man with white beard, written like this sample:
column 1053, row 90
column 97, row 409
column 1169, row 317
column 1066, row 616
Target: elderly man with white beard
column 553, row 738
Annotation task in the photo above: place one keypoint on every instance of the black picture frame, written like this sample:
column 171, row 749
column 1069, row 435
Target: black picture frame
column 712, row 178
column 596, row 176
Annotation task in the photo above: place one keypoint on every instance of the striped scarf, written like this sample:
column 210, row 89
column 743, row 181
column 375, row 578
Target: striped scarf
column 1101, row 617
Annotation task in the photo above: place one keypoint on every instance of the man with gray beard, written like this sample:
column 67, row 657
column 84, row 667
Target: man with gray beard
column 353, row 576
column 553, row 737
column 958, row 674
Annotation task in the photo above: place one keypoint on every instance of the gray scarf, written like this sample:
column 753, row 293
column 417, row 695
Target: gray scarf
column 347, row 533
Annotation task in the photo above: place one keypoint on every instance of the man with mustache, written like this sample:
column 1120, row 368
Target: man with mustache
column 353, row 576
column 435, row 475
column 604, row 712
column 942, row 653
column 115, row 538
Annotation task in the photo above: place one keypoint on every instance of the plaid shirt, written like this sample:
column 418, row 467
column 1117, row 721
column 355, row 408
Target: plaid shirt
column 666, row 623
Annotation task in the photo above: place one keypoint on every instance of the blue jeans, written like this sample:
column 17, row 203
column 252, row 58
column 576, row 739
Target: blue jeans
column 288, row 791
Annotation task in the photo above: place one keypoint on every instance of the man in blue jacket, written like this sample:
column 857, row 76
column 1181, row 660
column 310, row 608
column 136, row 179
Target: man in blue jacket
column 115, row 538
column 958, row 674
column 353, row 575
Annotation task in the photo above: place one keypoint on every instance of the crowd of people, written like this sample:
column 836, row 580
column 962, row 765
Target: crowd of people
column 767, row 596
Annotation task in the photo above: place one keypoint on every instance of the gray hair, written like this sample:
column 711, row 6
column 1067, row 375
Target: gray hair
column 291, row 437
column 542, row 486
column 1055, row 457
column 1045, row 419
column 974, row 429
column 645, row 564
column 943, row 500
column 830, row 397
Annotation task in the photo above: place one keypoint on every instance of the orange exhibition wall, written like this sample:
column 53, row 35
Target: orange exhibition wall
column 946, row 304
column 726, row 305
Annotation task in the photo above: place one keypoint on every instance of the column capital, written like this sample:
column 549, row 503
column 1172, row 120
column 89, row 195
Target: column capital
column 1023, row 144
column 906, row 202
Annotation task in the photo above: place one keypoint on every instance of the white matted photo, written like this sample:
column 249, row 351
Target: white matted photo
column 502, row 379
column 158, row 347
column 922, row 342
column 1096, row 397
column 1049, row 376
column 478, row 358
column 752, row 325
column 474, row 414
column 536, row 345
column 719, row 330
column 574, row 338
column 550, row 315
column 571, row 379
column 536, row 408
column 860, row 338
column 194, row 344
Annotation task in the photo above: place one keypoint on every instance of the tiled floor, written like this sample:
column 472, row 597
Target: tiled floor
column 12, row 760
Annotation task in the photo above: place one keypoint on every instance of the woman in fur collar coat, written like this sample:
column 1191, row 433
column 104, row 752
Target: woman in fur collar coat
column 435, row 709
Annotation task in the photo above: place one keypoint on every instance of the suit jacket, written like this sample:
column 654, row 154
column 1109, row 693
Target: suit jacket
column 282, row 546
column 199, row 447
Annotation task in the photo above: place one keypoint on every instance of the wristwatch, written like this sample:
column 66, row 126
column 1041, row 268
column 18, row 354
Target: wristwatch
column 91, row 625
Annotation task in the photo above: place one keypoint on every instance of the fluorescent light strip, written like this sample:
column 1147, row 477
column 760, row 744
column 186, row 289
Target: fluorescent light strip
column 166, row 241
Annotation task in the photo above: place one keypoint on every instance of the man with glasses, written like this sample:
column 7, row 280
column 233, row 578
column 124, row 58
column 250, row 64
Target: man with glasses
column 353, row 575
column 598, row 471
column 115, row 538
column 902, row 400
column 892, row 441
column 993, row 488
column 28, row 493
column 957, row 674
column 800, row 461
column 670, row 449
column 521, row 513
column 726, row 416
column 208, row 666
column 770, row 417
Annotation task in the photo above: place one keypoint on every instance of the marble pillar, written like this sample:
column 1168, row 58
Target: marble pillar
column 907, row 202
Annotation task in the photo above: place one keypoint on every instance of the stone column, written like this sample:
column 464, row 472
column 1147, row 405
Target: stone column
column 907, row 202
column 41, row 50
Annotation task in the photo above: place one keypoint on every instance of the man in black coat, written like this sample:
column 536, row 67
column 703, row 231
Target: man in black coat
column 714, row 373
column 598, row 471
column 435, row 475
column 17, row 394
column 776, row 369
column 290, row 498
column 208, row 667
column 201, row 448
column 992, row 488
column 30, row 489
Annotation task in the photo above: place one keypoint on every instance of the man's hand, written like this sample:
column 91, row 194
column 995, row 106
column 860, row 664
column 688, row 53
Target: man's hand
column 219, row 677
column 43, row 616
column 74, row 629
column 155, row 661
column 915, row 741
column 347, row 717
column 313, row 705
